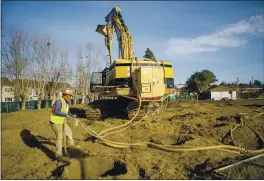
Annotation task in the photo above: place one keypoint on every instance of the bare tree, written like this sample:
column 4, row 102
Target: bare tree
column 60, row 72
column 85, row 66
column 66, row 71
column 15, row 64
column 79, row 74
column 39, row 66
column 53, row 72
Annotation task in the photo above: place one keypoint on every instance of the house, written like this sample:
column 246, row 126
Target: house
column 33, row 94
column 222, row 92
column 178, row 88
column 177, row 91
column 7, row 90
column 245, row 93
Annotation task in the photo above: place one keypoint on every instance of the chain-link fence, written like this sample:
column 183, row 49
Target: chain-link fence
column 16, row 106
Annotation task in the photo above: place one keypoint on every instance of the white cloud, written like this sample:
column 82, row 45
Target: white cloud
column 227, row 37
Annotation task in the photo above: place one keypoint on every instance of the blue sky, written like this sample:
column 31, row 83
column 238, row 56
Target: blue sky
column 223, row 37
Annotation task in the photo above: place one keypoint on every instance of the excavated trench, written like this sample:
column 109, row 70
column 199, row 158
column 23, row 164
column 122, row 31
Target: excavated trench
column 94, row 168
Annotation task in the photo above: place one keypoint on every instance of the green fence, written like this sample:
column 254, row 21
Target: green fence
column 16, row 106
column 10, row 106
column 79, row 101
column 46, row 103
column 183, row 97
column 31, row 104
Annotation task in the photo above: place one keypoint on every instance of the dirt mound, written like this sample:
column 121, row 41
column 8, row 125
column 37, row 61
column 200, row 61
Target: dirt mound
column 28, row 144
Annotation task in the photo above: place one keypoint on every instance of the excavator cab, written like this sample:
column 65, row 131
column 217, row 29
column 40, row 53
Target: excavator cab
column 98, row 79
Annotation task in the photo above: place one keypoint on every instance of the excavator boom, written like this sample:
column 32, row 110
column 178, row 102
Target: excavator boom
column 115, row 22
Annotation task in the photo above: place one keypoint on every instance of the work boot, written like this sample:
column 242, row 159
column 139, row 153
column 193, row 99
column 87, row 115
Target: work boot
column 61, row 158
column 75, row 146
column 59, row 155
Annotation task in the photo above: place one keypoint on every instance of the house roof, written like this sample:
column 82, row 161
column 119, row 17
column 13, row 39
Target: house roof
column 6, row 82
column 180, row 86
column 178, row 89
column 250, row 88
column 222, row 89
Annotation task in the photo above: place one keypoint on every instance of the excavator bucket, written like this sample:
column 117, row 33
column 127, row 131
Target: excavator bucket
column 101, row 29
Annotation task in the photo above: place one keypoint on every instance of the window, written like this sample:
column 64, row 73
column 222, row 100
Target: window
column 8, row 90
column 8, row 99
column 34, row 92
column 96, row 78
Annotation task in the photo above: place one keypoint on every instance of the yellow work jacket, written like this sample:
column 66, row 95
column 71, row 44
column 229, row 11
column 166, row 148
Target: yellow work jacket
column 64, row 108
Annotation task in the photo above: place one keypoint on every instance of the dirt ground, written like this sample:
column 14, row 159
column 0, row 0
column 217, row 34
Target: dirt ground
column 28, row 145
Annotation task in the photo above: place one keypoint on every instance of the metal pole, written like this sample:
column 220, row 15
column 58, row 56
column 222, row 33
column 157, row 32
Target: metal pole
column 238, row 163
column 64, row 136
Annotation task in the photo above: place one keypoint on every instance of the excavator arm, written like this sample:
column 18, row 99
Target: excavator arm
column 115, row 22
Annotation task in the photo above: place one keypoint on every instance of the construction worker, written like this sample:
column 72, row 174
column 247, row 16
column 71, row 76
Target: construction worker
column 58, row 117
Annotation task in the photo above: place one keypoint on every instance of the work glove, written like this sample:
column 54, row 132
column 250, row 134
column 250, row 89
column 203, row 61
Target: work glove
column 76, row 122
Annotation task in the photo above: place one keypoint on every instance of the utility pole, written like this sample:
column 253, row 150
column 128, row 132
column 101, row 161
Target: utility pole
column 237, row 87
column 252, row 81
column 237, row 83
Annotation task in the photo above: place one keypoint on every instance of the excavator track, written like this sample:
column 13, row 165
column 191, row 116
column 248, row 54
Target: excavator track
column 152, row 109
column 107, row 108
column 93, row 114
column 132, row 113
column 125, row 109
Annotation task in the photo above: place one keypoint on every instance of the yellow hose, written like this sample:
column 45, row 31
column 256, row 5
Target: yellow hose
column 121, row 126
column 172, row 148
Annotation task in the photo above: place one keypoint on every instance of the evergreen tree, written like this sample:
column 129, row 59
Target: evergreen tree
column 149, row 54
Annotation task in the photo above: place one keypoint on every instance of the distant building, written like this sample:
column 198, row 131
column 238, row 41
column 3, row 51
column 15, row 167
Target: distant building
column 7, row 90
column 221, row 92
column 246, row 93
column 177, row 91
column 32, row 95
column 178, row 88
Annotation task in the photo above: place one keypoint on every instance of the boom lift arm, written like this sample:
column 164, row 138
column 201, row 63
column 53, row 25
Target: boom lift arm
column 115, row 22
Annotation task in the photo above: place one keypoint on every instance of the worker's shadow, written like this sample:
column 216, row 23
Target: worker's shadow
column 33, row 142
column 38, row 141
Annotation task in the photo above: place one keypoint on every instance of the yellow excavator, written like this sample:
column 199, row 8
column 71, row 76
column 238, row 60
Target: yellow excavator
column 129, row 83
